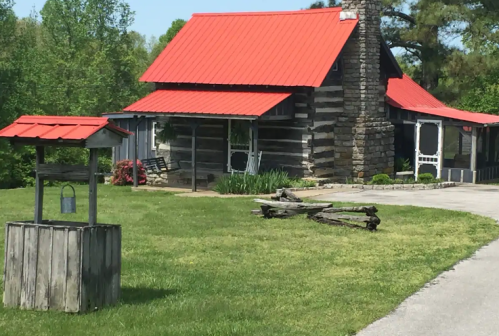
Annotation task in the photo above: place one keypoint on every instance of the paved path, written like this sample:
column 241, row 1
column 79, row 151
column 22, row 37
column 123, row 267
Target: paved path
column 461, row 302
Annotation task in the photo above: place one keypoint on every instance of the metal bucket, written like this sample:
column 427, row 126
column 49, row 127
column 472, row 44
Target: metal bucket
column 68, row 204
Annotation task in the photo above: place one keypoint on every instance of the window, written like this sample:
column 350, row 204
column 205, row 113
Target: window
column 335, row 66
column 153, row 135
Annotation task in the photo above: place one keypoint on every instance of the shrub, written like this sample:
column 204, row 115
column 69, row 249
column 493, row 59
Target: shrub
column 300, row 183
column 123, row 173
column 245, row 184
column 381, row 179
column 426, row 178
column 402, row 164
column 398, row 181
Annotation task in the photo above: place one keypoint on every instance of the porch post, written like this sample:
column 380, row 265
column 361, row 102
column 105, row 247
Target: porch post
column 92, row 187
column 40, row 159
column 492, row 145
column 194, row 127
column 474, row 149
column 254, row 127
column 134, row 153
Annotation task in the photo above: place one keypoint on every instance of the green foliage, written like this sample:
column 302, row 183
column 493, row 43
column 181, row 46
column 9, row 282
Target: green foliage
column 76, row 58
column 402, row 164
column 301, row 183
column 174, row 29
column 240, row 132
column 322, row 4
column 381, row 179
column 16, row 166
column 167, row 133
column 245, row 184
column 427, row 178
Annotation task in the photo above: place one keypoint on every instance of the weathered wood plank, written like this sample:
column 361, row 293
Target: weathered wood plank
column 28, row 292
column 333, row 103
column 13, row 265
column 280, row 214
column 324, row 155
column 283, row 133
column 336, row 216
column 322, row 220
column 288, row 195
column 98, row 261
column 108, row 264
column 58, row 172
column 58, row 274
column 335, row 88
column 369, row 210
column 372, row 222
column 293, row 206
column 116, row 268
column 5, row 254
column 186, row 142
column 44, row 268
column 73, row 271
column 87, row 297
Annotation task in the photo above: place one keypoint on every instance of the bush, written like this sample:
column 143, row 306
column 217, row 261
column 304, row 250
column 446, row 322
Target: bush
column 300, row 183
column 245, row 184
column 123, row 173
column 402, row 164
column 381, row 179
column 426, row 178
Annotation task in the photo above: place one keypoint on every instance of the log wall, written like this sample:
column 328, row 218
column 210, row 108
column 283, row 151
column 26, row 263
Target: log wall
column 62, row 266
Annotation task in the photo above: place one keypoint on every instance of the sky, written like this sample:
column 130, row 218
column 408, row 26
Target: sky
column 153, row 17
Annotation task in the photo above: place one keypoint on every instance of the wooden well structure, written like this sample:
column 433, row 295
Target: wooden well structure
column 62, row 265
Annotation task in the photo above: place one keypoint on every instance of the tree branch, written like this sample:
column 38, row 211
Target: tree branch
column 400, row 15
column 402, row 44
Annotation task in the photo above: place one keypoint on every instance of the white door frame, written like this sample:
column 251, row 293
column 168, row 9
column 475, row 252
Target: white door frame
column 234, row 150
column 435, row 159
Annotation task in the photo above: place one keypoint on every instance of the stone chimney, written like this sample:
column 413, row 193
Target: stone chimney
column 364, row 93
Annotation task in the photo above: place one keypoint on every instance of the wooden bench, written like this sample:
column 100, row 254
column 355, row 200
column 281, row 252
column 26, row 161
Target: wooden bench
column 159, row 165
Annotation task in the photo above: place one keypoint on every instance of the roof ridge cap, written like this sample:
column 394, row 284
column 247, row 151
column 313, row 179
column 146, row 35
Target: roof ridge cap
column 272, row 13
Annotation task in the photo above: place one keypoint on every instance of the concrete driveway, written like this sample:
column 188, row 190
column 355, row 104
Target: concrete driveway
column 460, row 302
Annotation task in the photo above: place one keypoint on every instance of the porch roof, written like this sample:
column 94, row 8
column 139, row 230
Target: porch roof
column 406, row 94
column 200, row 103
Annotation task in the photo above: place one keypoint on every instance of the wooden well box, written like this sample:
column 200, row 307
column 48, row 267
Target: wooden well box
column 64, row 266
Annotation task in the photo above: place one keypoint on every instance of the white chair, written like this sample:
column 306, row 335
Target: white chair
column 250, row 165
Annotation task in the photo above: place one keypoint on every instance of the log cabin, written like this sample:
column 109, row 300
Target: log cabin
column 317, row 92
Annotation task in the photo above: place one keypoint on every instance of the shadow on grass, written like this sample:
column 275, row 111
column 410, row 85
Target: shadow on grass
column 136, row 296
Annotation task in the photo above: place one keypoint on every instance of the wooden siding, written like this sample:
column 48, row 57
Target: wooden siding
column 145, row 148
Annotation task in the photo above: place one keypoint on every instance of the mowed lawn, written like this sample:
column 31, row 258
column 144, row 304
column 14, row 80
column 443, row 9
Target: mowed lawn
column 206, row 266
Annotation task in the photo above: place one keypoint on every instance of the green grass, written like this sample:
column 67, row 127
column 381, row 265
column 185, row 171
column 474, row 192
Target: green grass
column 205, row 266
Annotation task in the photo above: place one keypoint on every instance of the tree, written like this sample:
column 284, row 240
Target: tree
column 322, row 4
column 166, row 38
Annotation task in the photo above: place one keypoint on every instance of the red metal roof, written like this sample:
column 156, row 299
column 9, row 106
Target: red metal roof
column 208, row 102
column 296, row 48
column 55, row 128
column 406, row 94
